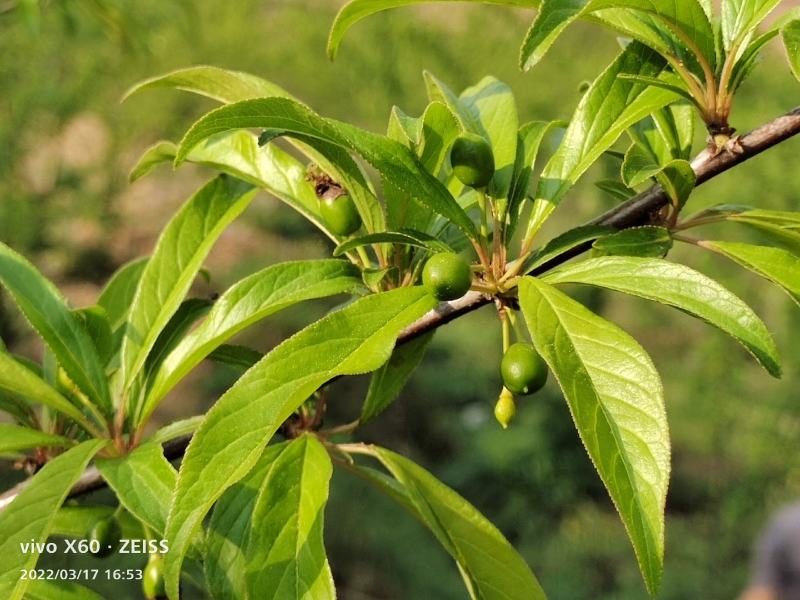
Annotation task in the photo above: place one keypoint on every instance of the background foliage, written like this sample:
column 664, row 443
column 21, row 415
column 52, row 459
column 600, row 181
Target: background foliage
column 70, row 143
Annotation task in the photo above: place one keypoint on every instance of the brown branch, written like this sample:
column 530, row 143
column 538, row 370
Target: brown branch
column 636, row 211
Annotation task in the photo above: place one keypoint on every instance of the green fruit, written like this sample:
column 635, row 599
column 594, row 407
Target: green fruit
column 340, row 214
column 153, row 578
column 472, row 160
column 446, row 276
column 523, row 370
column 106, row 532
column 505, row 409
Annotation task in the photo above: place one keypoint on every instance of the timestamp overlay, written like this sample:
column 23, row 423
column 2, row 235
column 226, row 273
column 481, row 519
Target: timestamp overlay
column 143, row 547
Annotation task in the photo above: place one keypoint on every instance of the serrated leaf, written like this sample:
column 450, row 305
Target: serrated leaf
column 180, row 251
column 117, row 295
column 30, row 516
column 739, row 19
column 188, row 314
column 232, row 86
column 676, row 176
column 679, row 286
column 489, row 565
column 777, row 265
column 160, row 153
column 556, row 15
column 531, row 135
column 285, row 554
column 14, row 438
column 238, row 357
column 356, row 339
column 617, row 402
column 644, row 241
column 46, row 310
column 352, row 12
column 280, row 116
column 388, row 381
column 791, row 42
column 569, row 240
column 615, row 188
column 143, row 481
column 406, row 237
column 218, row 84
column 96, row 323
column 229, row 527
column 248, row 301
column 608, row 108
column 20, row 380
column 176, row 429
column 404, row 128
column 439, row 129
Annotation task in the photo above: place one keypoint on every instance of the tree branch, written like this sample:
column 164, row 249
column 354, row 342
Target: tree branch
column 635, row 211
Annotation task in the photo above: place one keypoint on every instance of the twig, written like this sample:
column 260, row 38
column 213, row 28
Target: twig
column 637, row 211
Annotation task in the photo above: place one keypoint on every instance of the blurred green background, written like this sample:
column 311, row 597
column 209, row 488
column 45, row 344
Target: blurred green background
column 66, row 145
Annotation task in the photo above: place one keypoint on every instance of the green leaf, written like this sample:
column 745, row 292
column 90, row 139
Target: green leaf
column 617, row 402
column 565, row 242
column 77, row 521
column 388, row 381
column 679, row 286
column 645, row 241
column 439, row 129
column 556, row 15
column 791, row 42
column 492, row 105
column 176, row 429
column 237, row 357
column 95, row 321
column 491, row 568
column 777, row 265
column 749, row 58
column 405, row 237
column 267, row 167
column 47, row 312
column 404, row 128
column 530, row 140
column 238, row 153
column 280, row 116
column 676, row 176
column 188, row 314
column 19, row 380
column 780, row 227
column 740, row 18
column 356, row 339
column 218, row 84
column 143, row 481
column 673, row 84
column 14, row 438
column 179, row 254
column 608, row 108
column 117, row 296
column 43, row 589
column 285, row 553
column 229, row 527
column 352, row 12
column 615, row 188
column 30, row 516
column 160, row 153
column 247, row 302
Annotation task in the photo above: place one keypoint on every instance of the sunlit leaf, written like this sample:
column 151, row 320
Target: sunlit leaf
column 356, row 339
column 617, row 402
column 679, row 286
